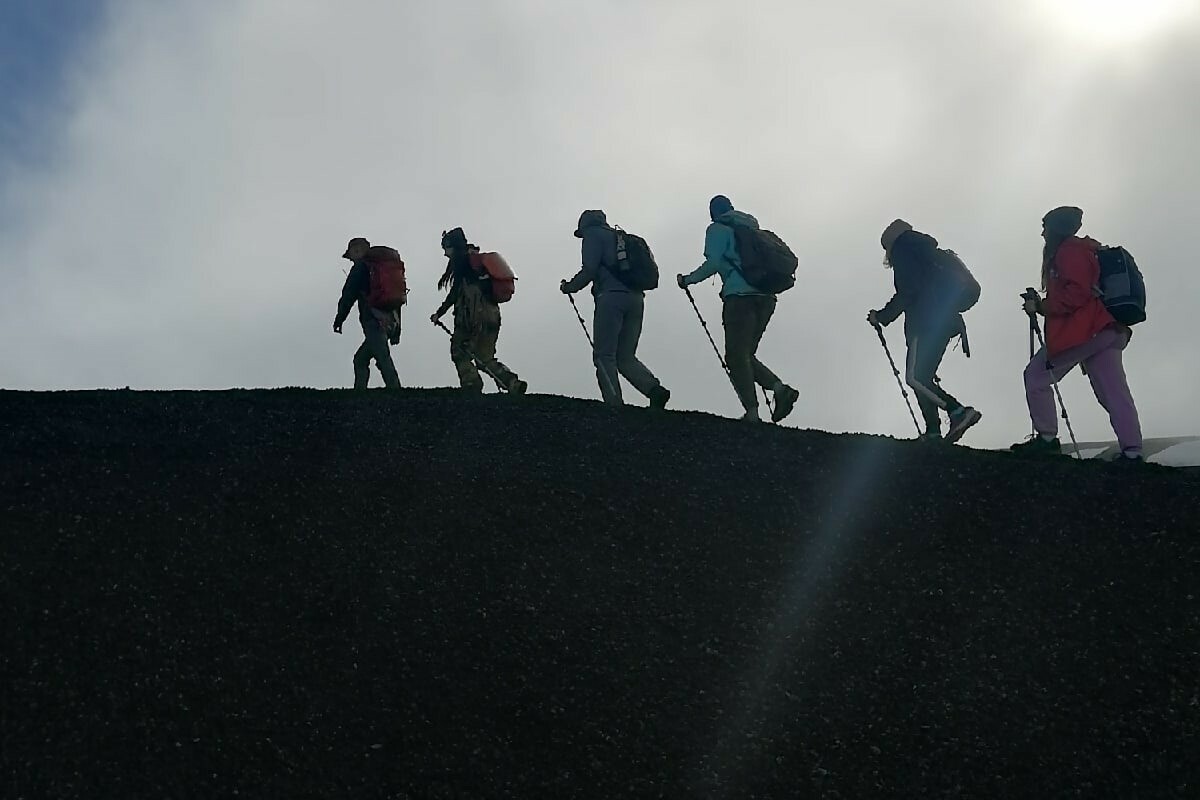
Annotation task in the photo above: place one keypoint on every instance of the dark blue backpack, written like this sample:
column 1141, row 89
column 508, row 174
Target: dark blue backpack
column 1121, row 285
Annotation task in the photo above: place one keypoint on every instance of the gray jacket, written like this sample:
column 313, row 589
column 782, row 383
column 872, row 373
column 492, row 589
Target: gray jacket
column 599, row 253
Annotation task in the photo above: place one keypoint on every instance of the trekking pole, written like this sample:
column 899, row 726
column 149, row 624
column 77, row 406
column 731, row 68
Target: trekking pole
column 1032, row 353
column 703, row 324
column 1036, row 330
column 478, row 364
column 904, row 392
column 591, row 344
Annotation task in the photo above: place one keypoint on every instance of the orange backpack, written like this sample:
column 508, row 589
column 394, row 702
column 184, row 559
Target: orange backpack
column 504, row 282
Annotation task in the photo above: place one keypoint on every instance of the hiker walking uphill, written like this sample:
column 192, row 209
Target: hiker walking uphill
column 620, row 268
column 475, row 296
column 1081, row 308
column 933, row 289
column 746, row 308
column 376, row 284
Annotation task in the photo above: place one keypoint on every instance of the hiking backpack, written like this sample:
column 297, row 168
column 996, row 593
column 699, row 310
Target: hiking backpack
column 635, row 265
column 1122, row 287
column 388, row 290
column 958, row 276
column 502, row 279
column 768, row 264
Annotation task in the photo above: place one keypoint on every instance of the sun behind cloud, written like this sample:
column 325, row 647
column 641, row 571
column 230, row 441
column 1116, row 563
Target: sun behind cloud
column 1118, row 22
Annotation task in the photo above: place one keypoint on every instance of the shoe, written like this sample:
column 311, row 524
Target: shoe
column 518, row 387
column 750, row 416
column 1123, row 460
column 1037, row 446
column 659, row 397
column 960, row 421
column 931, row 437
column 785, row 401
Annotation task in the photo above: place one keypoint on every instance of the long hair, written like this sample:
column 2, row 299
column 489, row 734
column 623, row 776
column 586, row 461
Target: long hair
column 1054, row 241
column 458, row 266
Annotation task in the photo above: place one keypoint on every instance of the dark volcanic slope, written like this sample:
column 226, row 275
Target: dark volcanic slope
column 303, row 594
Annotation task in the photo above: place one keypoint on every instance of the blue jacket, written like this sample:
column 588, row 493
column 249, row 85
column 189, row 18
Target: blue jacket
column 721, row 256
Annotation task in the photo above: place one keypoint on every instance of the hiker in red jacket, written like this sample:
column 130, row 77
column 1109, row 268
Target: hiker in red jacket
column 1079, row 330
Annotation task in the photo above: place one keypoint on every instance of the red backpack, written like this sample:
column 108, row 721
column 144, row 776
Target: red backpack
column 388, row 289
column 504, row 282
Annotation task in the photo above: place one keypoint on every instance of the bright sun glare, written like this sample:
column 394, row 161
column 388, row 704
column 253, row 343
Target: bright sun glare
column 1117, row 21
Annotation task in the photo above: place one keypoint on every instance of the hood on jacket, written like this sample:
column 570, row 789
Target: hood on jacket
column 740, row 218
column 590, row 219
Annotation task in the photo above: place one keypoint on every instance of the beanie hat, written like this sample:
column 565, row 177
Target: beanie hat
column 893, row 232
column 719, row 205
column 1065, row 220
column 454, row 238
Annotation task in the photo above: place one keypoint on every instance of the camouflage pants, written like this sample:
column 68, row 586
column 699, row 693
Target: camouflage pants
column 473, row 346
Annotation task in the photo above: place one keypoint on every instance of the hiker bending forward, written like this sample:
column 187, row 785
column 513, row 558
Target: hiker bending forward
column 1079, row 330
column 618, row 316
column 745, row 312
column 380, row 328
column 476, row 318
column 933, row 288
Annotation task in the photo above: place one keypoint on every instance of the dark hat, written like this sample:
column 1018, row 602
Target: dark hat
column 719, row 205
column 1065, row 220
column 590, row 219
column 454, row 238
column 357, row 240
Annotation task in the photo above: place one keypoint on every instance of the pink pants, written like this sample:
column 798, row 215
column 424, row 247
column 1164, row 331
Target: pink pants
column 1101, row 357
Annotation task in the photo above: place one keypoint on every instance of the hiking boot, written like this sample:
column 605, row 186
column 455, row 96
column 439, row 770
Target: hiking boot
column 518, row 387
column 659, row 397
column 962, row 419
column 931, row 437
column 750, row 416
column 1128, row 460
column 785, row 401
column 1037, row 446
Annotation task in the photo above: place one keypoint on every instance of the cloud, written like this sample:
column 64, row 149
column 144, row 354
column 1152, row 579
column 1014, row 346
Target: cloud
column 218, row 156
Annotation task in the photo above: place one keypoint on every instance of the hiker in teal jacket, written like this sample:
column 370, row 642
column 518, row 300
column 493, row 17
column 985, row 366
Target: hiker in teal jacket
column 745, row 313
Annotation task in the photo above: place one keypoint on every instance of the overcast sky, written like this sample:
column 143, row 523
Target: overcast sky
column 178, row 180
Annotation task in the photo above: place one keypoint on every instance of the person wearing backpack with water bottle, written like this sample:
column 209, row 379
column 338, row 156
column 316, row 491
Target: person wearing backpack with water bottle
column 1080, row 329
column 731, row 240
column 476, row 316
column 376, row 284
column 620, row 269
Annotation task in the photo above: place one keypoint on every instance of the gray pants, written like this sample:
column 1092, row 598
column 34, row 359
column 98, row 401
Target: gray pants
column 745, row 318
column 375, row 347
column 618, row 328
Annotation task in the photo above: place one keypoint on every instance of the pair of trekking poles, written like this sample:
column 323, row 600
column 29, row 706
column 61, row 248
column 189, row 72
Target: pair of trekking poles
column 703, row 324
column 1035, row 335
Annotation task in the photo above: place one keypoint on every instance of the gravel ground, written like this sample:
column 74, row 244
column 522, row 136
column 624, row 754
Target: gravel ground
column 314, row 594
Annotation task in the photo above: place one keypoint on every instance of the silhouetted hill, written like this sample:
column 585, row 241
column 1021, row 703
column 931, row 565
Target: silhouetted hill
column 318, row 594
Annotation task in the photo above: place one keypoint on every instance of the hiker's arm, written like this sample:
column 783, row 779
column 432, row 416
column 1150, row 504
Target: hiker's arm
column 905, row 294
column 1073, row 287
column 351, row 291
column 451, row 299
column 593, row 258
column 716, row 245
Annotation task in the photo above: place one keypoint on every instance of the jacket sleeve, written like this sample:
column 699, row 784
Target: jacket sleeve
column 906, row 294
column 716, row 245
column 593, row 261
column 451, row 298
column 1071, row 289
column 352, row 290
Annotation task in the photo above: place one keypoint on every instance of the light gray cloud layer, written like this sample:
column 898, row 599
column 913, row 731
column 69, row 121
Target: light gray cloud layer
column 219, row 155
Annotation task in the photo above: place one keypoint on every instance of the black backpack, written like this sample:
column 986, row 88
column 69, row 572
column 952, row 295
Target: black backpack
column 1122, row 286
column 635, row 265
column 768, row 264
column 956, row 275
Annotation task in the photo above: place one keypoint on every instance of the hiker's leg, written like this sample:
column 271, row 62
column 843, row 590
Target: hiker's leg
column 607, row 321
column 925, row 352
column 362, row 362
column 764, row 310
column 628, row 364
column 1040, row 380
column 468, row 376
column 376, row 342
column 485, row 349
column 738, row 315
column 1106, row 371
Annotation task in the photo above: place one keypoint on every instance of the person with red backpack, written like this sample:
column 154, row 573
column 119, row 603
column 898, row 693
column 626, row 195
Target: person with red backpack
column 376, row 284
column 1079, row 330
column 477, row 283
column 933, row 289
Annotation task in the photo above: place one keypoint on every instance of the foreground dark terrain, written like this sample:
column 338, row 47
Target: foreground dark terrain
column 317, row 594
